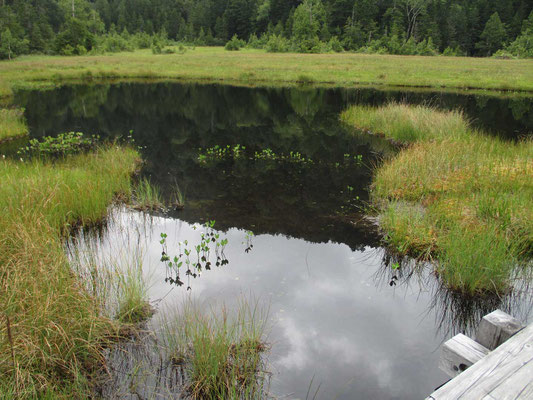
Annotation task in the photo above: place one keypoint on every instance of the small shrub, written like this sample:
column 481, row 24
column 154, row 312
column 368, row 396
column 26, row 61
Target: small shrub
column 156, row 48
column 335, row 44
column 62, row 145
column 257, row 43
column 277, row 44
column 81, row 50
column 67, row 50
column 234, row 44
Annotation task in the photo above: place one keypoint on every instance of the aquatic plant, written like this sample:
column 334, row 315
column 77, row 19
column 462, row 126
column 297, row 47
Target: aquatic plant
column 220, row 351
column 177, row 197
column 61, row 145
column 455, row 196
column 186, row 251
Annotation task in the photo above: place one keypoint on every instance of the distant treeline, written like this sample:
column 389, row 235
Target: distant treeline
column 426, row 27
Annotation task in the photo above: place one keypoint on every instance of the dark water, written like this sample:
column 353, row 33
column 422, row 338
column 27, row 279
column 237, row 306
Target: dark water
column 336, row 322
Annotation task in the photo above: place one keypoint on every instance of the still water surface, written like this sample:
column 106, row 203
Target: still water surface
column 336, row 323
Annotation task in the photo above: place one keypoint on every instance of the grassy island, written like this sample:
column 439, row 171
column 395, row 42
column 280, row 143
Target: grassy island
column 453, row 195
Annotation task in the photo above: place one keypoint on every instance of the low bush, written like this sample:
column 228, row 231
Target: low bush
column 235, row 44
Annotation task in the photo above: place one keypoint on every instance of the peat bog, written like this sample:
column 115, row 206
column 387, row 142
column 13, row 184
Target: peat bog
column 342, row 320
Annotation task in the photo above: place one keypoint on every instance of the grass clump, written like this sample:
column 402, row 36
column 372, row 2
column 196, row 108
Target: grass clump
column 454, row 195
column 56, row 332
column 147, row 196
column 408, row 124
column 12, row 124
column 114, row 276
column 133, row 306
column 222, row 353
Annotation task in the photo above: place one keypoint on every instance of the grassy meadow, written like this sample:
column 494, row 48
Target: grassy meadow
column 454, row 195
column 249, row 66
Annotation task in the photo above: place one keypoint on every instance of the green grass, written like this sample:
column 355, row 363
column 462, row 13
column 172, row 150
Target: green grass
column 454, row 195
column 114, row 276
column 248, row 66
column 56, row 332
column 147, row 196
column 12, row 124
column 220, row 351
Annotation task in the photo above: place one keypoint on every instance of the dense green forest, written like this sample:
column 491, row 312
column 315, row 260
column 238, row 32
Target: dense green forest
column 424, row 27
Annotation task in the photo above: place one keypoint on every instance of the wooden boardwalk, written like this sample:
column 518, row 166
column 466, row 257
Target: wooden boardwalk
column 504, row 373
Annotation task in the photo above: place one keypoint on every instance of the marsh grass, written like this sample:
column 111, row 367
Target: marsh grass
column 147, row 196
column 454, row 195
column 12, row 123
column 216, row 65
column 57, row 332
column 177, row 197
column 408, row 124
column 221, row 351
column 114, row 276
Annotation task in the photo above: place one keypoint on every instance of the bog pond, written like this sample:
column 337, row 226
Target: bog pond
column 287, row 197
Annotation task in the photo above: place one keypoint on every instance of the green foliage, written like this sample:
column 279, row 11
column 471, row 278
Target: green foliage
column 493, row 36
column 364, row 25
column 257, row 43
column 74, row 39
column 353, row 37
column 11, row 46
column 114, row 43
column 277, row 44
column 522, row 46
column 453, row 52
column 156, row 47
column 62, row 145
column 235, row 44
column 335, row 44
column 426, row 48
column 309, row 19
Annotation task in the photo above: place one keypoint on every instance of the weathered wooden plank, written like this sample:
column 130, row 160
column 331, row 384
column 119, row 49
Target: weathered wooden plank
column 518, row 386
column 499, row 366
column 460, row 353
column 495, row 328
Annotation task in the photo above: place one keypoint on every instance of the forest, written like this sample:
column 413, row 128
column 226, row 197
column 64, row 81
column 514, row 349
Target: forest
column 479, row 28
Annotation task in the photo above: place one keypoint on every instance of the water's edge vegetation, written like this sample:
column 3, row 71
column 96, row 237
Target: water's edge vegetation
column 453, row 195
column 12, row 124
column 54, row 331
